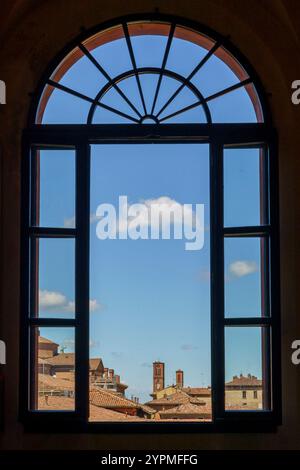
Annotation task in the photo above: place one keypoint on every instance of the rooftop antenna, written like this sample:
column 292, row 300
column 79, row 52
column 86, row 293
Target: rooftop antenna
column 202, row 379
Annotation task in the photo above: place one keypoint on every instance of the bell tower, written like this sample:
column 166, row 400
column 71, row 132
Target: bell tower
column 179, row 378
column 158, row 376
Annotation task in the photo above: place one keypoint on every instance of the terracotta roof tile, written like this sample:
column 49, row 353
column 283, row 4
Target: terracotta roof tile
column 46, row 341
column 56, row 403
column 146, row 408
column 103, row 414
column 187, row 411
column 95, row 363
column 67, row 359
column 48, row 382
column 242, row 380
column 66, row 375
column 176, row 399
column 96, row 413
column 204, row 391
column 100, row 397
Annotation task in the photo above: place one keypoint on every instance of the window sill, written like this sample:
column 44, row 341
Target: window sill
column 42, row 423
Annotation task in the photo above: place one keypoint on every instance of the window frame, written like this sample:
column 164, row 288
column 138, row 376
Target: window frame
column 219, row 137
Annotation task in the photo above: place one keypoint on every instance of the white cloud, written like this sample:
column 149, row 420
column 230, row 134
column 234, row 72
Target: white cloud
column 94, row 305
column 163, row 204
column 188, row 347
column 160, row 214
column 162, row 210
column 117, row 354
column 56, row 301
column 49, row 300
column 70, row 222
column 93, row 218
column 242, row 268
column 94, row 344
column 146, row 364
column 68, row 344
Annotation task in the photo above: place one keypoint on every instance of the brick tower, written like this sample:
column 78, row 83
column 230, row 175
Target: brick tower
column 179, row 378
column 158, row 376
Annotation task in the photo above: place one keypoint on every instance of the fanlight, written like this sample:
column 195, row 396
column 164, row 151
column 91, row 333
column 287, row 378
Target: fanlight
column 149, row 72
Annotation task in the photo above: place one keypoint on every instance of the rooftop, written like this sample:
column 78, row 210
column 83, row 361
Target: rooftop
column 177, row 398
column 48, row 382
column 204, row 391
column 241, row 380
column 96, row 413
column 100, row 397
column 68, row 359
column 43, row 340
column 187, row 411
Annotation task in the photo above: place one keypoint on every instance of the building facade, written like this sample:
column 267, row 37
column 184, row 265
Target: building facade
column 244, row 392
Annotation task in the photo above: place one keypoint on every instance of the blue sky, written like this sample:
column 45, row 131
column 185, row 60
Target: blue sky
column 150, row 299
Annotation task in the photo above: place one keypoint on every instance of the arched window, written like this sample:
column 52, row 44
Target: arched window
column 149, row 72
column 134, row 82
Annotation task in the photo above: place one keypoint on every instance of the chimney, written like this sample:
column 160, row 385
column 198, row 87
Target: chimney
column 158, row 376
column 111, row 373
column 117, row 377
column 179, row 378
column 105, row 372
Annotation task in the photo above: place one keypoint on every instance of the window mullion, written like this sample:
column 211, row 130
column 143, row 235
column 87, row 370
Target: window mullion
column 82, row 279
column 217, row 280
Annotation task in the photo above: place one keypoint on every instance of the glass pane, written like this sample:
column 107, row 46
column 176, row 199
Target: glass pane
column 104, row 116
column 113, row 56
column 167, row 88
column 113, row 99
column 195, row 115
column 185, row 98
column 148, row 49
column 242, row 187
column 235, row 106
column 149, row 84
column 243, row 293
column 56, row 277
column 244, row 368
column 184, row 56
column 64, row 108
column 84, row 77
column 130, row 89
column 54, row 369
column 150, row 280
column 214, row 76
column 56, row 188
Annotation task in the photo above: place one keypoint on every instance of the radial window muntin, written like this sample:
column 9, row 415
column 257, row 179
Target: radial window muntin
column 158, row 114
column 257, row 134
